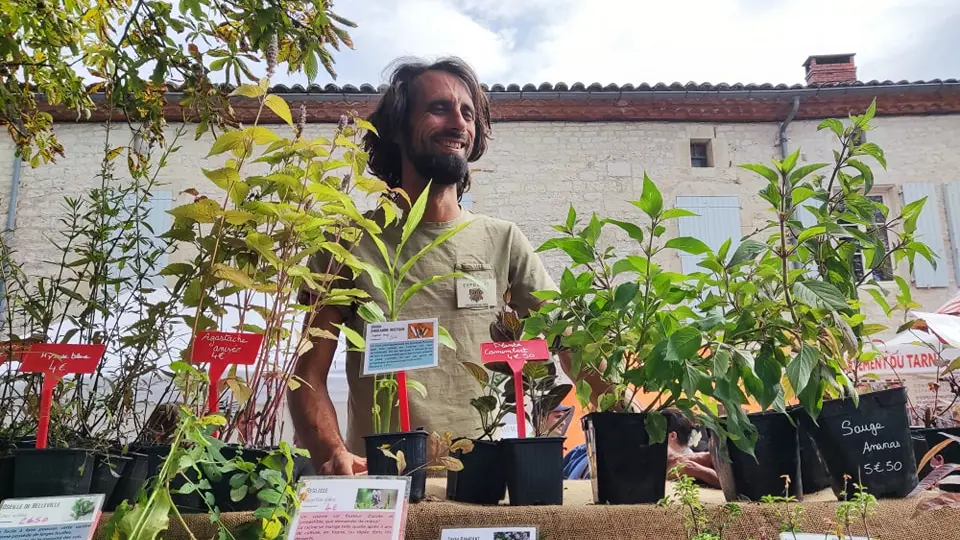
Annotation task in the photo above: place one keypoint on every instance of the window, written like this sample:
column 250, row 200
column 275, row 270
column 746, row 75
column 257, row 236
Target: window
column 883, row 272
column 700, row 154
column 717, row 220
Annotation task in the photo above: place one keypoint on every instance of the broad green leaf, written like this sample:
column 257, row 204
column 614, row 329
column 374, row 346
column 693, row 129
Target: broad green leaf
column 634, row 231
column 673, row 213
column 238, row 217
column 879, row 298
column 584, row 392
column 353, row 337
column 177, row 269
column 651, row 201
column 202, row 211
column 418, row 387
column 656, row 425
column 240, row 390
column 223, row 178
column 363, row 124
column 688, row 244
column 233, row 275
column 820, row 295
column 762, row 170
column 746, row 251
column 810, row 232
column 911, row 213
column 226, row 142
column 148, row 521
column 833, row 124
column 790, row 161
column 576, row 248
column 279, row 107
column 683, row 344
column 800, row 368
column 446, row 235
column 571, row 218
column 248, row 90
column 261, row 135
column 803, row 171
column 801, row 194
column 262, row 244
column 721, row 361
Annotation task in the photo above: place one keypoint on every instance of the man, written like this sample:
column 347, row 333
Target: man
column 697, row 465
column 432, row 121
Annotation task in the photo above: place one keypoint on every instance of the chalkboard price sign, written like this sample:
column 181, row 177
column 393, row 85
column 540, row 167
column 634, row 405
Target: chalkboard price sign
column 870, row 443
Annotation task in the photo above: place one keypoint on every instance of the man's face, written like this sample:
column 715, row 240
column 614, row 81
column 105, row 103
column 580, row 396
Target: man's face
column 441, row 128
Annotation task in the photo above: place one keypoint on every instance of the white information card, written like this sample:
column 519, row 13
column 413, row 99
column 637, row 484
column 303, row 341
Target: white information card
column 357, row 508
column 50, row 518
column 495, row 533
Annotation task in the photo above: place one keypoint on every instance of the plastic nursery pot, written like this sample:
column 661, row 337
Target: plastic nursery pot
column 414, row 447
column 624, row 467
column 132, row 478
column 222, row 488
column 871, row 444
column 6, row 476
column 51, row 472
column 190, row 503
column 777, row 454
column 950, row 453
column 107, row 471
column 813, row 470
column 483, row 478
column 534, row 469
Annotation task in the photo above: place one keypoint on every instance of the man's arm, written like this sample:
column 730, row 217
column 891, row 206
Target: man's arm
column 312, row 411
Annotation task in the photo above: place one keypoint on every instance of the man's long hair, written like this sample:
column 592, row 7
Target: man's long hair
column 392, row 118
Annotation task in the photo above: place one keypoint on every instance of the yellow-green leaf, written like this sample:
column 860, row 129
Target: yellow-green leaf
column 353, row 337
column 202, row 211
column 226, row 142
column 261, row 135
column 249, row 90
column 462, row 445
column 233, row 275
column 401, row 462
column 446, row 339
column 240, row 390
column 417, row 387
column 363, row 124
column 112, row 154
column 279, row 107
column 321, row 333
column 223, row 178
column 238, row 217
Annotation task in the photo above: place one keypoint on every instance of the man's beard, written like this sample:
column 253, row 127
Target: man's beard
column 442, row 168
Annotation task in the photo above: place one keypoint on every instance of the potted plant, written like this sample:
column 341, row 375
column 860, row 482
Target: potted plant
column 793, row 290
column 627, row 325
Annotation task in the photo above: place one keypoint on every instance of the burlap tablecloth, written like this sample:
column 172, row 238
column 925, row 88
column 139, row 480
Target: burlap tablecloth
column 580, row 519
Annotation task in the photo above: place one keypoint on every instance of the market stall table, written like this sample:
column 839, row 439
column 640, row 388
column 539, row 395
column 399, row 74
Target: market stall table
column 580, row 519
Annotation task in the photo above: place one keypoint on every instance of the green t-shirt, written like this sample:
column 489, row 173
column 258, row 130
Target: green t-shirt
column 490, row 249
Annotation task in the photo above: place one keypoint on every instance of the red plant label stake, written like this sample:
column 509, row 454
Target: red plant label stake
column 54, row 360
column 221, row 349
column 515, row 354
column 404, row 401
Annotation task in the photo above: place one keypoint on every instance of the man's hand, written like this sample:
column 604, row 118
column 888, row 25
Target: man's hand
column 343, row 463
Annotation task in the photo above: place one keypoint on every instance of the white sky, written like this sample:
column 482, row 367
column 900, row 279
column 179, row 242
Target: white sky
column 651, row 41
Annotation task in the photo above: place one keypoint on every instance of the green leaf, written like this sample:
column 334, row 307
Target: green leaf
column 202, row 211
column 879, row 298
column 279, row 107
column 413, row 217
column 248, row 90
column 721, row 361
column 223, row 178
column 809, row 233
column 683, row 344
column 262, row 244
column 418, row 387
column 651, row 201
column 874, row 151
column 480, row 374
column 677, row 213
column 762, row 170
column 801, row 367
column 576, row 248
column 746, row 251
column 803, row 171
column 790, row 161
column 446, row 339
column 656, row 425
column 261, row 135
column 446, row 235
column 571, row 218
column 688, row 244
column 233, row 275
column 177, row 269
column 624, row 293
column 147, row 521
column 371, row 312
column 584, row 392
column 820, row 295
column 226, row 142
column 353, row 337
column 238, row 494
column 238, row 217
column 833, row 124
column 911, row 213
column 632, row 230
column 413, row 289
column 310, row 65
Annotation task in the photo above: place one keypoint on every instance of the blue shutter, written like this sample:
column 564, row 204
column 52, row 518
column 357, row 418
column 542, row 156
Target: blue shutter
column 718, row 218
column 928, row 232
column 951, row 196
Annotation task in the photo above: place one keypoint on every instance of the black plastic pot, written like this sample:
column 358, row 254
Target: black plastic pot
column 107, row 470
column 870, row 443
column 6, row 476
column 414, row 447
column 132, row 479
column 777, row 455
column 950, row 453
column 624, row 467
column 813, row 469
column 51, row 472
column 222, row 488
column 534, row 469
column 190, row 503
column 483, row 478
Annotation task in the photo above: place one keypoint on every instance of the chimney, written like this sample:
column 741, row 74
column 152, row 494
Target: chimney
column 830, row 68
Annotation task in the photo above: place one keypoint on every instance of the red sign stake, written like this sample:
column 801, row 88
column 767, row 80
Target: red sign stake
column 221, row 349
column 54, row 360
column 404, row 402
column 515, row 354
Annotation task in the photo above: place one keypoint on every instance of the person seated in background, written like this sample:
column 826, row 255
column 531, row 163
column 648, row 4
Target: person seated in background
column 682, row 436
